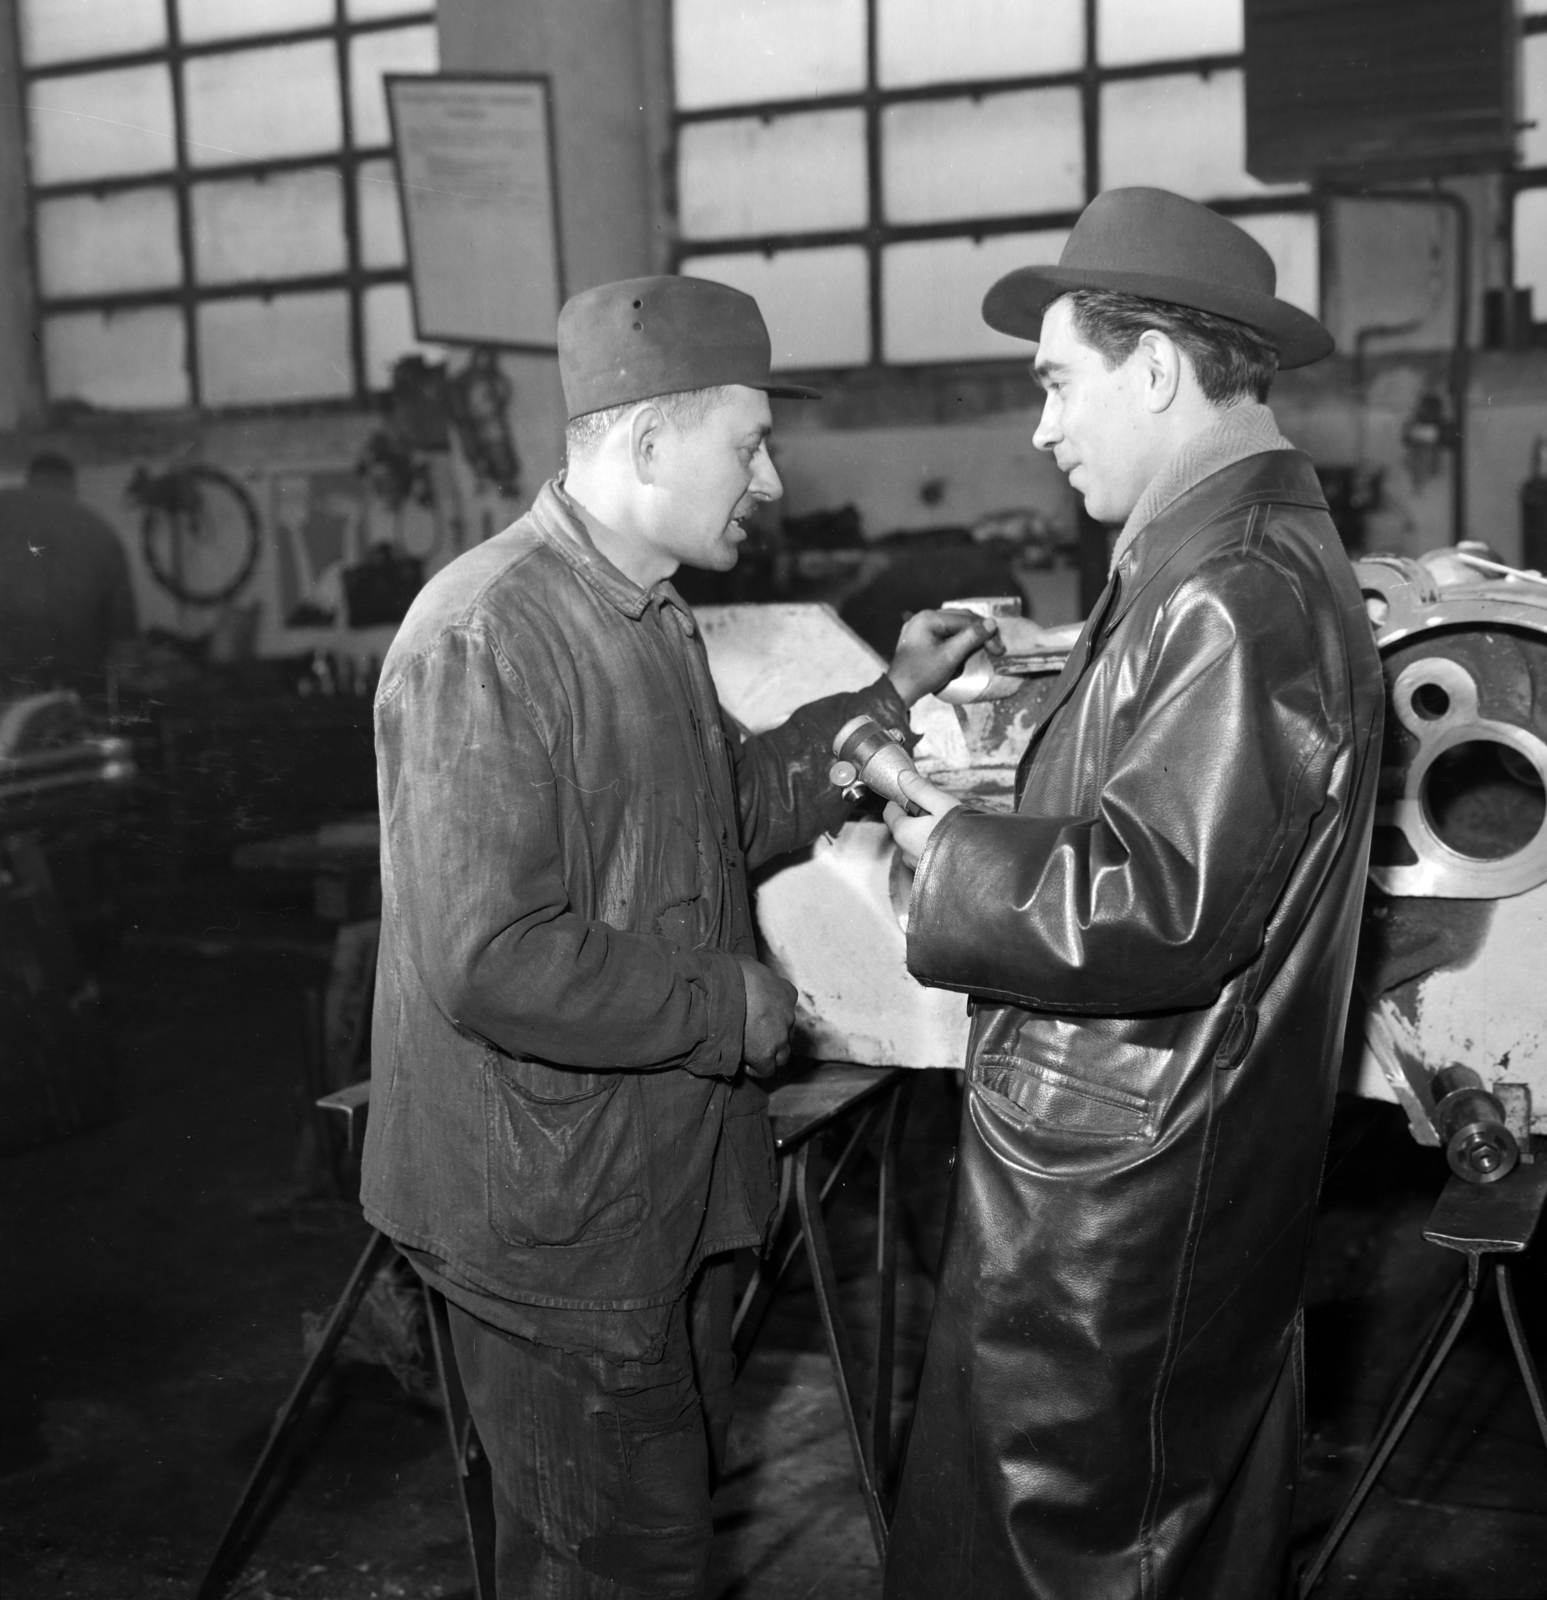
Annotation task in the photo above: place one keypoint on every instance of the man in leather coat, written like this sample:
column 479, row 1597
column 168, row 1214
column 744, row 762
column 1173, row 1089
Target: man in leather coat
column 1158, row 944
column 567, row 1131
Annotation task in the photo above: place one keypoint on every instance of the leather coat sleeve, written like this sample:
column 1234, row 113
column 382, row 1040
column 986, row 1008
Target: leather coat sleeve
column 469, row 818
column 785, row 796
column 1220, row 756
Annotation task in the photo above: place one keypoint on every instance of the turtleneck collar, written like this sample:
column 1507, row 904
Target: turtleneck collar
column 1244, row 430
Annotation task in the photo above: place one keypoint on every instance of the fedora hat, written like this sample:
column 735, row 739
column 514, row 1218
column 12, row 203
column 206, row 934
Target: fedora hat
column 628, row 341
column 1153, row 243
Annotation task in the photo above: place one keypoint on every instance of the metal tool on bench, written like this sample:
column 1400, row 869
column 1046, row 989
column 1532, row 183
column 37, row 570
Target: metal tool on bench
column 1473, row 1127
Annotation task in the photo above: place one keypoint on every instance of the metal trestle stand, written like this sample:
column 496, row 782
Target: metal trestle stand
column 1488, row 1224
column 831, row 1094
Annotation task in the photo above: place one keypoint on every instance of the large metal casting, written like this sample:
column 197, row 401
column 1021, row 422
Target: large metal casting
column 1457, row 916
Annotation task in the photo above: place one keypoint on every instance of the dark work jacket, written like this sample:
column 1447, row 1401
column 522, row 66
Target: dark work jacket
column 1159, row 944
column 559, row 1118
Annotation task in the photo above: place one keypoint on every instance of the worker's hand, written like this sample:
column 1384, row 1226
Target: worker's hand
column 912, row 833
column 932, row 647
column 770, row 1017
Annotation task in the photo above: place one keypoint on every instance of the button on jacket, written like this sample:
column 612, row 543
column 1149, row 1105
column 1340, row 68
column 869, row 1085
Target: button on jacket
column 1159, row 944
column 560, row 1127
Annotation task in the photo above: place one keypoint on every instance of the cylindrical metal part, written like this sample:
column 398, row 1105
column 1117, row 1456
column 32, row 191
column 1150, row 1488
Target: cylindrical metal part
column 1471, row 1126
column 881, row 760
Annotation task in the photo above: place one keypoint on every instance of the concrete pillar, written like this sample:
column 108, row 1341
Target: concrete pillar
column 21, row 389
column 608, row 65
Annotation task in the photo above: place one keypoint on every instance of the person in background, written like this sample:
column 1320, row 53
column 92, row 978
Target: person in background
column 66, row 604
column 1159, row 945
column 568, row 1135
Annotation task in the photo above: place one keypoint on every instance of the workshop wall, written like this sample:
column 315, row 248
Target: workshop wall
column 911, row 449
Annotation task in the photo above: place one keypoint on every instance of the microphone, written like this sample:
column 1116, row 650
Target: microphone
column 868, row 754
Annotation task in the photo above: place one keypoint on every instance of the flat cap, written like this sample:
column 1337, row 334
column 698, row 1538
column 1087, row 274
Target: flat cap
column 622, row 342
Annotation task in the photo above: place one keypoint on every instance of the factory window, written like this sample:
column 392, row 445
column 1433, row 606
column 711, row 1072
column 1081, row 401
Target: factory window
column 213, row 205
column 1529, row 234
column 867, row 168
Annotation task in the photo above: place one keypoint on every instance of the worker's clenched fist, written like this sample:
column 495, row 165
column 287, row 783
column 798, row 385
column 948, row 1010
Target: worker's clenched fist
column 770, row 1017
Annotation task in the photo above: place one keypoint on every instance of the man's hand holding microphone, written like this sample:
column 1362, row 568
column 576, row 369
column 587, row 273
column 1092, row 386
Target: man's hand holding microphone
column 930, row 651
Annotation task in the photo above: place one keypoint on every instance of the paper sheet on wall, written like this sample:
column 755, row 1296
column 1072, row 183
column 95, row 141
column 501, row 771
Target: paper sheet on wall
column 475, row 170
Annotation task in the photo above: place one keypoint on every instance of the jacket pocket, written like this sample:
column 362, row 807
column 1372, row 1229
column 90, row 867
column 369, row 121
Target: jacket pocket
column 563, row 1157
column 1041, row 1096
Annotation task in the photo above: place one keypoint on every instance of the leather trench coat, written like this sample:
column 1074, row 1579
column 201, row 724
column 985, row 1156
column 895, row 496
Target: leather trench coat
column 1159, row 946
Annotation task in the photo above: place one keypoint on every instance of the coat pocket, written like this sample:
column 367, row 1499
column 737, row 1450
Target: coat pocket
column 563, row 1156
column 1045, row 1097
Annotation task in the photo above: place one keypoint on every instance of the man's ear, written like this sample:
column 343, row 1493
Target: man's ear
column 645, row 430
column 1160, row 368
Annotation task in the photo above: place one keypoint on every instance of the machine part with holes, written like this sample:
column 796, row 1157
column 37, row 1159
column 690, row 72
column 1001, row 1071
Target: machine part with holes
column 1462, row 818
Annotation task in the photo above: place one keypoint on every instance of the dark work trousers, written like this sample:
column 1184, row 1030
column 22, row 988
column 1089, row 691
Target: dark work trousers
column 603, row 1469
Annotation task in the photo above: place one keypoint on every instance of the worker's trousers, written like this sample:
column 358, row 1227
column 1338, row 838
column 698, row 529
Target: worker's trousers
column 603, row 1469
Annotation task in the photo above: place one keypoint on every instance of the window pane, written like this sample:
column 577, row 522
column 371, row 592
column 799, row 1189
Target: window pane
column 815, row 302
column 381, row 216
column 1293, row 239
column 754, row 177
column 932, row 295
column 226, row 19
column 66, row 30
column 280, row 227
column 134, row 360
column 278, row 101
column 389, row 332
column 365, row 10
column 925, row 41
column 370, row 55
column 1533, row 70
column 293, row 347
column 726, row 53
column 1161, row 30
column 997, row 156
column 1179, row 132
column 123, row 241
column 1531, row 248
column 101, row 124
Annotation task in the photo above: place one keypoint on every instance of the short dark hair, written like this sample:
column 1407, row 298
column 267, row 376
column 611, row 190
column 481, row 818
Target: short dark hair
column 1229, row 360
column 687, row 408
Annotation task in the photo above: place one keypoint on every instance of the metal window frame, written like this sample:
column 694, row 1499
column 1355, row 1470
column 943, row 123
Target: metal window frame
column 876, row 233
column 1519, row 179
column 182, row 176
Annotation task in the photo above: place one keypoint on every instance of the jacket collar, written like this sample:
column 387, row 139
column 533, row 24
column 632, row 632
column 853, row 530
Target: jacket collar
column 1283, row 476
column 1239, row 432
column 559, row 525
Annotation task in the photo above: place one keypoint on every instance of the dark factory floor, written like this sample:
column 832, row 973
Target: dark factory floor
column 158, row 1270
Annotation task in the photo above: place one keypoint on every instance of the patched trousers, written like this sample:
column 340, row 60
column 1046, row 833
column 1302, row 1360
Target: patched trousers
column 603, row 1469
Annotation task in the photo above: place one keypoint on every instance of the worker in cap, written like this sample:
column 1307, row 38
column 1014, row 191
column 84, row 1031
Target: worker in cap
column 568, row 1131
column 1159, row 943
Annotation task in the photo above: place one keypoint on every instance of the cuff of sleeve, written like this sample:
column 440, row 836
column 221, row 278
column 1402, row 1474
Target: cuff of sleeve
column 890, row 709
column 923, row 902
column 725, row 996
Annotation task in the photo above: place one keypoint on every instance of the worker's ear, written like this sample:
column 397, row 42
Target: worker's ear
column 1160, row 369
column 646, row 429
